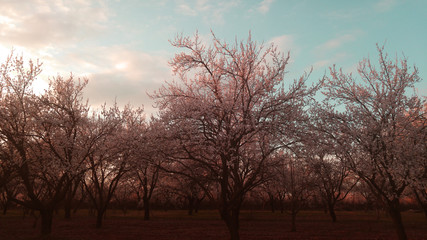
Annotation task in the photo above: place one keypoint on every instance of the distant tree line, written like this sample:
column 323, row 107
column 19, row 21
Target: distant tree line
column 230, row 131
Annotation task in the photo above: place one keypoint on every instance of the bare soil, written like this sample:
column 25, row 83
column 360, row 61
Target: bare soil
column 259, row 225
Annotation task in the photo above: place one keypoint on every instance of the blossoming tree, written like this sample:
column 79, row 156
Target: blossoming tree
column 227, row 113
column 375, row 129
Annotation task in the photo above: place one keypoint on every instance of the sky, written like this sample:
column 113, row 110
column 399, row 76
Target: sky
column 123, row 48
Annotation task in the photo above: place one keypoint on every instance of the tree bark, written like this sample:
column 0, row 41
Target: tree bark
column 146, row 208
column 67, row 209
column 394, row 211
column 99, row 217
column 47, row 217
column 69, row 198
column 282, row 206
column 196, row 205
column 423, row 204
column 6, row 206
column 234, row 233
column 232, row 222
column 231, row 219
column 272, row 205
column 190, row 205
column 331, row 210
column 293, row 225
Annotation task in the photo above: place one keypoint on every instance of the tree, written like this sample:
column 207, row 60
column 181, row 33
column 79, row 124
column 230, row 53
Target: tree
column 124, row 196
column 334, row 180
column 8, row 184
column 109, row 161
column 62, row 131
column 146, row 160
column 375, row 128
column 418, row 149
column 273, row 187
column 371, row 201
column 45, row 135
column 296, row 181
column 16, row 99
column 229, row 116
column 70, row 195
column 185, row 188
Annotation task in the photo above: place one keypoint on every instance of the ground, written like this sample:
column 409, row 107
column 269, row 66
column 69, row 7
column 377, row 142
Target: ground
column 259, row 225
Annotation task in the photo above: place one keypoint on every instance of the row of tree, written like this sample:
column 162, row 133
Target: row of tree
column 229, row 125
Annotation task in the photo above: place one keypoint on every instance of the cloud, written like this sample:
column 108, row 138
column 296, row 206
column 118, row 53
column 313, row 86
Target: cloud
column 345, row 14
column 121, row 74
column 212, row 12
column 203, row 5
column 194, row 8
column 38, row 23
column 62, row 34
column 285, row 44
column 115, row 73
column 186, row 10
column 322, row 63
column 264, row 6
column 336, row 58
column 385, row 5
column 337, row 42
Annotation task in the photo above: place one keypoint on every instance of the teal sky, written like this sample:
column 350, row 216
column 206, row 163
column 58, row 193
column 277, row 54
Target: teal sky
column 122, row 45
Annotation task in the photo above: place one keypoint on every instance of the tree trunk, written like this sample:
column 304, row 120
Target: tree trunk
column 294, row 226
column 190, row 205
column 394, row 211
column 146, row 208
column 272, row 203
column 6, row 206
column 234, row 233
column 99, row 217
column 47, row 217
column 196, row 205
column 425, row 210
column 423, row 204
column 232, row 222
column 231, row 219
column 282, row 206
column 67, row 209
column 331, row 210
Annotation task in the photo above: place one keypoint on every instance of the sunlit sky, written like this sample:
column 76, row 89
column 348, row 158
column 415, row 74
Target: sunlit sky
column 123, row 47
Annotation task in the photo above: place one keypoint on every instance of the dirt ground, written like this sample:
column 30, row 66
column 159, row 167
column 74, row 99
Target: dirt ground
column 171, row 225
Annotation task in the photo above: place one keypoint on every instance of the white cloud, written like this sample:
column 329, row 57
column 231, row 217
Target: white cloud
column 114, row 73
column 322, row 63
column 121, row 74
column 212, row 12
column 62, row 33
column 385, row 5
column 264, row 6
column 186, row 10
column 203, row 5
column 345, row 14
column 194, row 8
column 285, row 44
column 217, row 12
column 38, row 23
column 336, row 58
column 337, row 42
